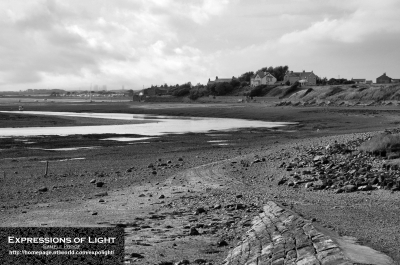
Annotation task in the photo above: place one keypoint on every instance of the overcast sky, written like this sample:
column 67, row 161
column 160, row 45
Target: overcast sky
column 133, row 43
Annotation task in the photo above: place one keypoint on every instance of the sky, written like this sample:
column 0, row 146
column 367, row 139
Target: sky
column 73, row 44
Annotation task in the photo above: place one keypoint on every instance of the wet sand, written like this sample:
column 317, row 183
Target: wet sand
column 188, row 170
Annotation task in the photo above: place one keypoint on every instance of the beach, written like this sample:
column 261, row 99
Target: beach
column 155, row 187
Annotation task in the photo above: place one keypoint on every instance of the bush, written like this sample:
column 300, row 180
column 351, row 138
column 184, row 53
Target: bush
column 223, row 88
column 291, row 89
column 287, row 83
column 181, row 91
column 383, row 143
column 194, row 94
column 257, row 91
column 307, row 92
column 334, row 90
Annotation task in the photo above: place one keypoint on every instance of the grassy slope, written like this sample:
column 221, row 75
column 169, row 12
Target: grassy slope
column 338, row 93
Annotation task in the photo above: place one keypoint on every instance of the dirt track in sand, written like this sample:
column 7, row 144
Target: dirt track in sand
column 371, row 222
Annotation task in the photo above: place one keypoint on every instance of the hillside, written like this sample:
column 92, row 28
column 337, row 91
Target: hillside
column 345, row 94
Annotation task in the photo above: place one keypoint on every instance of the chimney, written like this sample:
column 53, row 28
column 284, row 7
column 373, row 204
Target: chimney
column 216, row 78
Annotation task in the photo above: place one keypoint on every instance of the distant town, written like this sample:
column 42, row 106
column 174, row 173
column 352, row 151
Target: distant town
column 247, row 84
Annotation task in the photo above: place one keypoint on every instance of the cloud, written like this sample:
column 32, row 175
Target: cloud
column 54, row 43
column 366, row 18
column 108, row 41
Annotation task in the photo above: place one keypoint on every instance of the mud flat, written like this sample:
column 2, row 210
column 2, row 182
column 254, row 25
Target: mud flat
column 185, row 197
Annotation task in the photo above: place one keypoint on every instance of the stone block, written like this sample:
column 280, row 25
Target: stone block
column 305, row 252
column 292, row 254
column 278, row 262
column 329, row 252
column 310, row 260
column 324, row 245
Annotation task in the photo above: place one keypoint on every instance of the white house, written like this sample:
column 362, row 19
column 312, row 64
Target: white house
column 262, row 78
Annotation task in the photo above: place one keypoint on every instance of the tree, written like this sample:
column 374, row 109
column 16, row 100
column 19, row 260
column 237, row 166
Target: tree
column 246, row 76
column 235, row 83
column 223, row 88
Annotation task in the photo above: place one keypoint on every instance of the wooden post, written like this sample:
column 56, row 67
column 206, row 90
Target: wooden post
column 47, row 168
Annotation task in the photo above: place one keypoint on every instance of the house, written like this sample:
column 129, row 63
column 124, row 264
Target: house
column 308, row 78
column 220, row 80
column 359, row 80
column 262, row 78
column 369, row 82
column 383, row 79
column 395, row 80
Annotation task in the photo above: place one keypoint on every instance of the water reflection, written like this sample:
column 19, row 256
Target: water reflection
column 157, row 125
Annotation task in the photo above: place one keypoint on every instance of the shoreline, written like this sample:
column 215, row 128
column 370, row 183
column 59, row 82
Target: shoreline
column 210, row 165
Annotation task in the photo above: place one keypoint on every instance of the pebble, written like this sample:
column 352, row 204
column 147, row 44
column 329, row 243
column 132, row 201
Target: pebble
column 100, row 184
column 194, row 232
column 101, row 194
column 200, row 210
column 43, row 189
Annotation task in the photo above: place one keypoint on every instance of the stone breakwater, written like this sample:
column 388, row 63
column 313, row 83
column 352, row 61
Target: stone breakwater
column 280, row 237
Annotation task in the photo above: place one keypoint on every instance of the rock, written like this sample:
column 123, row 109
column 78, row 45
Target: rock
column 240, row 206
column 142, row 195
column 101, row 200
column 161, row 196
column 150, row 165
column 43, row 189
column 101, row 194
column 94, row 213
column 100, row 184
column 309, row 185
column 340, row 190
column 137, row 255
column 194, row 232
column 222, row 243
column 350, row 188
column 180, row 159
column 282, row 181
column 182, row 262
column 93, row 181
column 217, row 206
column 200, row 261
column 200, row 210
column 318, row 158
column 239, row 196
column 154, row 172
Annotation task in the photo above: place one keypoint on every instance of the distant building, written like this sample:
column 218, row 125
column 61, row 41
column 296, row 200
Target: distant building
column 309, row 78
column 220, row 80
column 383, row 79
column 369, row 82
column 262, row 78
column 359, row 80
column 155, row 91
column 395, row 80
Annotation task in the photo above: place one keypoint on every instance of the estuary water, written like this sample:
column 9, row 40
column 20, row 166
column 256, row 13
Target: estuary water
column 154, row 125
